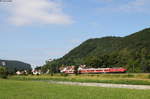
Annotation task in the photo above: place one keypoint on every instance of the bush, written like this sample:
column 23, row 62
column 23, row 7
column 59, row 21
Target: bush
column 130, row 75
column 149, row 76
column 64, row 74
column 3, row 72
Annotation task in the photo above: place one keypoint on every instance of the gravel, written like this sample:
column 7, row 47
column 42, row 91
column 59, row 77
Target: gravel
column 140, row 87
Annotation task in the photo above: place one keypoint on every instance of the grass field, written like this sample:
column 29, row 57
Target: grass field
column 134, row 79
column 11, row 89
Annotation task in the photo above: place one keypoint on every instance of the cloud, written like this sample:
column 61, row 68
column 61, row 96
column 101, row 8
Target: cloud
column 75, row 41
column 136, row 6
column 104, row 0
column 25, row 12
column 130, row 6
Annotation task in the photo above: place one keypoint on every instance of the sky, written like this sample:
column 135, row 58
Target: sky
column 34, row 31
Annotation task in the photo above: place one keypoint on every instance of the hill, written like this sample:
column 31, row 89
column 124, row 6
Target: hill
column 131, row 52
column 14, row 66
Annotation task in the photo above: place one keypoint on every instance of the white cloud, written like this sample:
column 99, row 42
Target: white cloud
column 24, row 12
column 104, row 0
column 75, row 41
column 130, row 6
column 136, row 6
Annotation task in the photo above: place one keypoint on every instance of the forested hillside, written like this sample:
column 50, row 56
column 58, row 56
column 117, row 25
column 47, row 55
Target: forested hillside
column 14, row 66
column 131, row 52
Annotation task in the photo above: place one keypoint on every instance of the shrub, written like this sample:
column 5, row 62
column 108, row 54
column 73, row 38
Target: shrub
column 3, row 72
column 64, row 74
column 130, row 75
column 149, row 76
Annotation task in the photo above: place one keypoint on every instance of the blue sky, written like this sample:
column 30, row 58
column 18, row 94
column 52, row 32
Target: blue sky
column 36, row 30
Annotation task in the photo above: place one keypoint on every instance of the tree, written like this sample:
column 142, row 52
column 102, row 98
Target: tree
column 3, row 72
column 52, row 66
column 76, row 70
column 144, row 63
column 93, row 61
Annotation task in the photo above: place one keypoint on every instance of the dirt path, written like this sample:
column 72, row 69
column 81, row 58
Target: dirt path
column 143, row 87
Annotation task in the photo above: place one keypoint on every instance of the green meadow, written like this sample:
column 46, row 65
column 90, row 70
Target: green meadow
column 11, row 89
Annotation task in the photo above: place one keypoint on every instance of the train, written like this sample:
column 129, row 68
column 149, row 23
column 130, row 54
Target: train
column 80, row 70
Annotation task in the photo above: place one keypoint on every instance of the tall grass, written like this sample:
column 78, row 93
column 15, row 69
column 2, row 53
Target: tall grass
column 134, row 79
